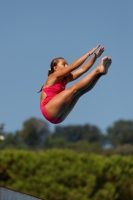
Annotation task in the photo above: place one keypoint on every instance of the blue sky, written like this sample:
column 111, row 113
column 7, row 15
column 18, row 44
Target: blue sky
column 33, row 32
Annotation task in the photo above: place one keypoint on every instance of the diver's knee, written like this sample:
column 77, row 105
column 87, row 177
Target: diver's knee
column 74, row 89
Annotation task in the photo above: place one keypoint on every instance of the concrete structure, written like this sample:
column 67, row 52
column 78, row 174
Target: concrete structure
column 8, row 194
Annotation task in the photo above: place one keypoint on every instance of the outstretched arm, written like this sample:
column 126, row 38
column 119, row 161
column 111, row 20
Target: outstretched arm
column 76, row 74
column 77, row 63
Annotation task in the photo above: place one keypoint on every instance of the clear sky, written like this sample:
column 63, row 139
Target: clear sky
column 33, row 32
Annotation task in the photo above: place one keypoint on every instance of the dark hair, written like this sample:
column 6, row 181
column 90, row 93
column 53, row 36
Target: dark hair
column 53, row 63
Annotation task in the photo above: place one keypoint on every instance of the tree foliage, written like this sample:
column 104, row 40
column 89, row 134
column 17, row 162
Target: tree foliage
column 120, row 133
column 79, row 138
column 12, row 141
column 75, row 133
column 34, row 132
column 57, row 175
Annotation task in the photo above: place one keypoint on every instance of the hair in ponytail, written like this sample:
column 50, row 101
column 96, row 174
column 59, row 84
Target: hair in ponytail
column 40, row 90
column 53, row 63
column 50, row 72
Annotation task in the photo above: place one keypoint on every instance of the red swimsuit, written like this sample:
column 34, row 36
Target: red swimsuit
column 50, row 92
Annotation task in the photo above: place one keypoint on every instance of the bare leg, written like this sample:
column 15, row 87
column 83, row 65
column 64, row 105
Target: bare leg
column 74, row 101
column 82, row 92
column 69, row 108
column 60, row 103
column 91, row 85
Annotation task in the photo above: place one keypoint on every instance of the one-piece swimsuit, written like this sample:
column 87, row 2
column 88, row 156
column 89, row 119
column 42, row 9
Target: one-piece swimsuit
column 50, row 92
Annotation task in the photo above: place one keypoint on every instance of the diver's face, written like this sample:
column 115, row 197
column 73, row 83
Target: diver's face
column 62, row 63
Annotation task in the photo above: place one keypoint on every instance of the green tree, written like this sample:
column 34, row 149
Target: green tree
column 12, row 140
column 120, row 133
column 65, row 175
column 86, row 132
column 126, row 149
column 83, row 146
column 55, row 142
column 34, row 132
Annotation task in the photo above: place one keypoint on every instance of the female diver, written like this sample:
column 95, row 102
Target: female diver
column 56, row 102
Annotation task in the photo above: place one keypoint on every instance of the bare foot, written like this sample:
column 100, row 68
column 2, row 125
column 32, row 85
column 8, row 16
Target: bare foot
column 100, row 51
column 104, row 64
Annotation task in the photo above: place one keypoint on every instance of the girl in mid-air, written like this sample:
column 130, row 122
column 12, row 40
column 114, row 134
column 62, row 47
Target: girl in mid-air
column 56, row 102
